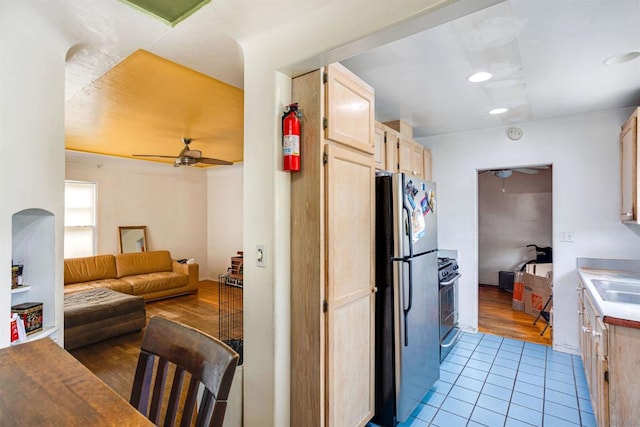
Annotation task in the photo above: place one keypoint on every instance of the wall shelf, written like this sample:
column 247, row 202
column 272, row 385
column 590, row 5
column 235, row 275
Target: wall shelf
column 24, row 288
column 46, row 332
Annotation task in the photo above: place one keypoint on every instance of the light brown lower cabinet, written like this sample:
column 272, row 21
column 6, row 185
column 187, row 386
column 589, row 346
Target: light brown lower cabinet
column 611, row 356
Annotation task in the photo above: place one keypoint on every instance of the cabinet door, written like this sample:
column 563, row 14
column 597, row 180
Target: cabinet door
column 426, row 171
column 349, row 291
column 379, row 154
column 417, row 160
column 349, row 109
column 594, row 351
column 405, row 155
column 628, row 170
column 601, row 386
column 391, row 148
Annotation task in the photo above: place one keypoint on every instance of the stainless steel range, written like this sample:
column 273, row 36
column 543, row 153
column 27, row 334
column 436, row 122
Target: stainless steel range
column 448, row 276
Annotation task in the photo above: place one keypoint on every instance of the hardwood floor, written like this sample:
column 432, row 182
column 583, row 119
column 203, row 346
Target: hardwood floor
column 114, row 360
column 496, row 316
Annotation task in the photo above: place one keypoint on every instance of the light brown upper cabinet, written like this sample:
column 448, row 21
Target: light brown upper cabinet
column 411, row 157
column 629, row 200
column 426, row 171
column 417, row 160
column 350, row 109
column 332, row 257
column 405, row 155
column 379, row 154
column 391, row 149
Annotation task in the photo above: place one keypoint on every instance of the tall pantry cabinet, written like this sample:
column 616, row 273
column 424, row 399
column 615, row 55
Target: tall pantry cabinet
column 332, row 252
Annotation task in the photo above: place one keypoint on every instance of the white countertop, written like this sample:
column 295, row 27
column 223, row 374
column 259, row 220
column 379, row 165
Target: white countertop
column 627, row 271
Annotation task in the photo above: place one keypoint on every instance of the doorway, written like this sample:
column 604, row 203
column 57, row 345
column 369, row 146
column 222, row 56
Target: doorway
column 514, row 210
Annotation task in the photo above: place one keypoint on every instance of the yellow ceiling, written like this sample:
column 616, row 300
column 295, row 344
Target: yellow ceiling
column 146, row 104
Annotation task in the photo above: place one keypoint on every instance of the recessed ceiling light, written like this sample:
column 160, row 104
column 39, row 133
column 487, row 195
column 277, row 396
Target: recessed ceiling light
column 479, row 77
column 500, row 110
column 621, row 58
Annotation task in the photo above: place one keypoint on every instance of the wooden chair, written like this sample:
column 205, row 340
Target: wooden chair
column 205, row 359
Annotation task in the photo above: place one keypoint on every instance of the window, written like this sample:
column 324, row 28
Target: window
column 79, row 219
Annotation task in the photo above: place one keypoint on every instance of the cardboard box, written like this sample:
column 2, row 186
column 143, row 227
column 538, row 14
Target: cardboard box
column 402, row 127
column 537, row 290
column 543, row 269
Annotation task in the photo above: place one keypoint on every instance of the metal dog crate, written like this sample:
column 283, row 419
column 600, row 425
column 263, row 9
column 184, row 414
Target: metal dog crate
column 230, row 312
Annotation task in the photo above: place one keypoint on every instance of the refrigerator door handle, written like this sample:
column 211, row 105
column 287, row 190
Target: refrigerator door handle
column 407, row 224
column 409, row 300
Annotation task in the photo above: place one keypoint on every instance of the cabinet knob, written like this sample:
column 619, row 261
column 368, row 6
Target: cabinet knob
column 374, row 289
column 586, row 330
column 596, row 334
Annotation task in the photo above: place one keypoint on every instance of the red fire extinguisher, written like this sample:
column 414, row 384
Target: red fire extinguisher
column 291, row 138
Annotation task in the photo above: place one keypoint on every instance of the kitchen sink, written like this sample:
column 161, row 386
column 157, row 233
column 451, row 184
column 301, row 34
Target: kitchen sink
column 626, row 292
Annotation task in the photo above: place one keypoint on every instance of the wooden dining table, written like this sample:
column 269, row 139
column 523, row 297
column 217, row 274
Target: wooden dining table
column 41, row 384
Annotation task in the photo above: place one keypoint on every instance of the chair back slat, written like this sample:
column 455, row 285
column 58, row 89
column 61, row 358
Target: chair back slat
column 190, row 402
column 206, row 407
column 174, row 397
column 158, row 390
column 142, row 382
column 208, row 361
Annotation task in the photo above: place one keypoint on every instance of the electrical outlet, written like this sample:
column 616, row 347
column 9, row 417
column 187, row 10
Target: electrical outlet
column 566, row 236
column 260, row 256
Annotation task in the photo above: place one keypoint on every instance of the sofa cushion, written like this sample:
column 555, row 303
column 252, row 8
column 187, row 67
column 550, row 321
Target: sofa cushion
column 153, row 282
column 142, row 263
column 115, row 284
column 77, row 270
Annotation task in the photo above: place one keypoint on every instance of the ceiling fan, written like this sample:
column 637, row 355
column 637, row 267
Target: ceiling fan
column 188, row 157
column 507, row 172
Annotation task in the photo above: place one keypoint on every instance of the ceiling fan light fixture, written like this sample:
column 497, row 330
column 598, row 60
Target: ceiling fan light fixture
column 185, row 161
column 504, row 173
column 499, row 110
column 479, row 77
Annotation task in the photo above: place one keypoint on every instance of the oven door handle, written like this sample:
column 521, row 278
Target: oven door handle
column 453, row 340
column 450, row 282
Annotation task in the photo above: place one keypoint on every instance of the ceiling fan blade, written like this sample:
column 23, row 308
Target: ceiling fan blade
column 526, row 170
column 485, row 173
column 210, row 161
column 154, row 155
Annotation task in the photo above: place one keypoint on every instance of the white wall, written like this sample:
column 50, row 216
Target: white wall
column 171, row 202
column 509, row 220
column 584, row 153
column 224, row 216
column 31, row 141
column 267, row 90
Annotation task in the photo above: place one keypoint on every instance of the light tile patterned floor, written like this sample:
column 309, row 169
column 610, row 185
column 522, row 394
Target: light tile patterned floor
column 491, row 381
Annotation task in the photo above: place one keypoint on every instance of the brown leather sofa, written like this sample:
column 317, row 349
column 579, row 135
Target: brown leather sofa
column 152, row 275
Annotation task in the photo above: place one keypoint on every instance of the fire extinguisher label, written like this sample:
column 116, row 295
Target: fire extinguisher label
column 291, row 145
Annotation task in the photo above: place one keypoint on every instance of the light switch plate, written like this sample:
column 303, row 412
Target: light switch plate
column 261, row 256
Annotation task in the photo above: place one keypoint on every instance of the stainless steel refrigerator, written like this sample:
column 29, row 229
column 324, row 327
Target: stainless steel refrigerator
column 407, row 323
